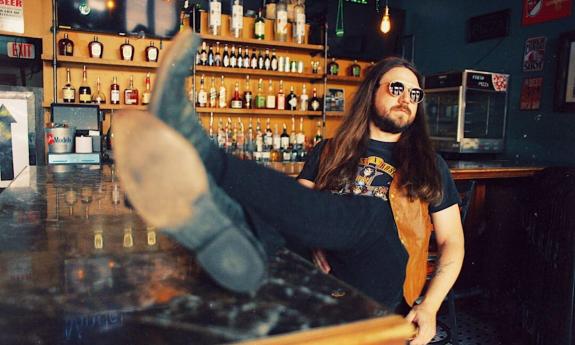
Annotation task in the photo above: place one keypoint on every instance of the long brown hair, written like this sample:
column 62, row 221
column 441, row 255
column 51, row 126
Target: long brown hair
column 413, row 151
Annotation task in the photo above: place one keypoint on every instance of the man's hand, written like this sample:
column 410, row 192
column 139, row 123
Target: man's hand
column 320, row 260
column 425, row 320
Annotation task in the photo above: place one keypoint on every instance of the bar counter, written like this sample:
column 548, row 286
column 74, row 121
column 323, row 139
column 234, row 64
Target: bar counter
column 80, row 267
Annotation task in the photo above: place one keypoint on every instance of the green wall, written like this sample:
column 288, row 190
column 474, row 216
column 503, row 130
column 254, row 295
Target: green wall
column 439, row 28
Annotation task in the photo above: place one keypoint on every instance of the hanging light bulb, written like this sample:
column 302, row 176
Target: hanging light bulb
column 385, row 21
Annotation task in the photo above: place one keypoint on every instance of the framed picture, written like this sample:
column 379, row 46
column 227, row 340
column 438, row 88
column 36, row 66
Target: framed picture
column 539, row 11
column 334, row 100
column 531, row 93
column 565, row 82
column 534, row 55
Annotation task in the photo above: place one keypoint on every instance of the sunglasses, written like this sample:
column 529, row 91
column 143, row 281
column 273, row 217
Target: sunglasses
column 396, row 89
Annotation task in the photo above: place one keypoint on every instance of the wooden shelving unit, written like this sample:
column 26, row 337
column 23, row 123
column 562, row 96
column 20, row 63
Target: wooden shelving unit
column 261, row 112
column 344, row 79
column 258, row 73
column 75, row 60
column 315, row 48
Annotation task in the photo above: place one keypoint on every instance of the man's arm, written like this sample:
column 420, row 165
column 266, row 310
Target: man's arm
column 450, row 245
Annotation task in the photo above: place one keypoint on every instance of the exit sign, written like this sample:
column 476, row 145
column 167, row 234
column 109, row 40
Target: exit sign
column 21, row 50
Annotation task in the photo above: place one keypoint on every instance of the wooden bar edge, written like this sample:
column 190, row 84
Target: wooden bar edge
column 389, row 330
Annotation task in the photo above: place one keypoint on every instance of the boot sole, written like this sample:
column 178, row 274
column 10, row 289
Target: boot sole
column 167, row 184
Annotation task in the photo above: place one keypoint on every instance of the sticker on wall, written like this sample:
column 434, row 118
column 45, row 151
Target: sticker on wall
column 539, row 11
column 12, row 16
column 531, row 93
column 534, row 54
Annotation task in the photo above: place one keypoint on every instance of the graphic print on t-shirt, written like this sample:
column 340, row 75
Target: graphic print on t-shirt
column 373, row 178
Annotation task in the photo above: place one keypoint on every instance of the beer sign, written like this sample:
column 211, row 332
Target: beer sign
column 12, row 16
column 534, row 54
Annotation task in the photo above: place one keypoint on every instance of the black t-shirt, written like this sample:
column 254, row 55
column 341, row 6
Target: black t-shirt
column 375, row 173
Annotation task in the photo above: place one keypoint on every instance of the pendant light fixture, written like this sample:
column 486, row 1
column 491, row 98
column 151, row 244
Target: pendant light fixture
column 339, row 20
column 385, row 25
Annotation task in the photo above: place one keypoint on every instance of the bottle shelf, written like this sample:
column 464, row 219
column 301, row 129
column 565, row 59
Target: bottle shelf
column 344, row 79
column 316, row 48
column 258, row 72
column 262, row 112
column 105, row 106
column 77, row 60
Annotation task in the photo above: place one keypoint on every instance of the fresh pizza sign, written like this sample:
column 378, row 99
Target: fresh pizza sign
column 12, row 16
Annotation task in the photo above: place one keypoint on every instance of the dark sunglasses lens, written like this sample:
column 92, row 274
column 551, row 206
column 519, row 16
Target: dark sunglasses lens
column 416, row 95
column 396, row 88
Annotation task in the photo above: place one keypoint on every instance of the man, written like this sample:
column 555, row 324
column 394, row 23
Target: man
column 385, row 134
column 214, row 204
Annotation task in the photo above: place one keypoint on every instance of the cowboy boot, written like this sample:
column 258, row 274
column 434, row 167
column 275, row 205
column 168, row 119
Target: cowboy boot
column 168, row 186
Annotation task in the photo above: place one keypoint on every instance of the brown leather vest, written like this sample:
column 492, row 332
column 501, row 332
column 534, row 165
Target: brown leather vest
column 414, row 228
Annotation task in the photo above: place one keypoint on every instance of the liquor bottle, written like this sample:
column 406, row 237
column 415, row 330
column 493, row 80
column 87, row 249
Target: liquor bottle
column 147, row 94
column 314, row 103
column 152, row 53
column 284, row 139
column 115, row 91
column 281, row 21
column 303, row 99
column 274, row 61
column 226, row 57
column 259, row 142
column 237, row 18
column 84, row 91
column 259, row 26
column 271, row 96
column 210, row 61
column 131, row 96
column 271, row 9
column 293, row 134
column 198, row 56
column 202, row 94
column 250, row 144
column 240, row 58
column 281, row 98
column 254, row 60
column 237, row 102
column 215, row 17
column 248, row 101
column 318, row 136
column 260, row 98
column 213, row 94
column 299, row 22
column 66, row 46
column 222, row 101
column 261, row 60
column 127, row 51
column 267, row 60
column 268, row 142
column 184, row 14
column 204, row 54
column 355, row 69
column 332, row 67
column 233, row 58
column 68, row 91
column 291, row 100
column 240, row 140
column 98, row 97
column 217, row 56
column 246, row 58
column 275, row 152
column 96, row 48
column 211, row 128
column 221, row 134
column 300, row 141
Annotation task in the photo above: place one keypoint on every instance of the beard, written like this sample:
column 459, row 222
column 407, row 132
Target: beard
column 385, row 123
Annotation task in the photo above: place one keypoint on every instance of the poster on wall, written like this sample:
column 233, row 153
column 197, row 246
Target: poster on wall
column 14, row 148
column 570, row 85
column 534, row 54
column 12, row 16
column 539, row 11
column 531, row 93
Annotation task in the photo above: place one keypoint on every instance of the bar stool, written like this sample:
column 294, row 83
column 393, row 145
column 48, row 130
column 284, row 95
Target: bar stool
column 466, row 191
